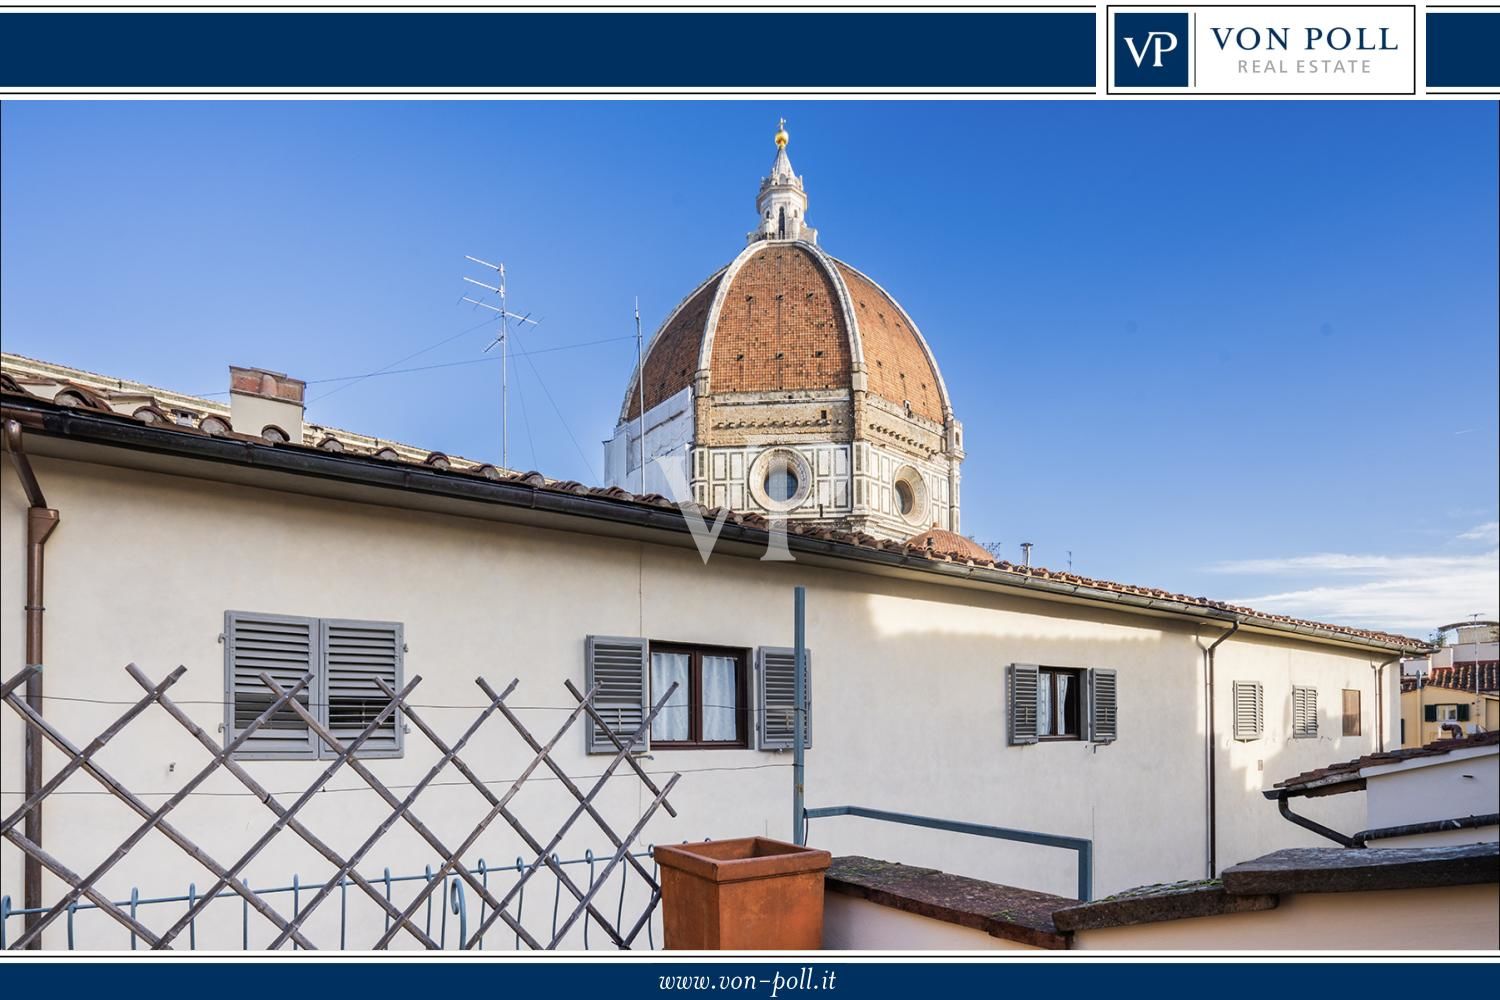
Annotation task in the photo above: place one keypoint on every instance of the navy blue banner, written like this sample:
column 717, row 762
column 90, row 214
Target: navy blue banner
column 1463, row 49
column 696, row 50
column 748, row 978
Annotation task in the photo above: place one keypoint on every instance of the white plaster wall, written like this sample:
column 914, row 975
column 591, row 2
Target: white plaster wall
column 1247, row 767
column 1467, row 783
column 908, row 685
column 854, row 924
column 1452, row 917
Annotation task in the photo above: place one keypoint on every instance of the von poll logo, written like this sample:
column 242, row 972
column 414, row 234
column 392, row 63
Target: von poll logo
column 1151, row 50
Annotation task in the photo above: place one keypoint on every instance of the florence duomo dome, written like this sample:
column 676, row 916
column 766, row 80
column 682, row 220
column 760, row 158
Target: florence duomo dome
column 791, row 384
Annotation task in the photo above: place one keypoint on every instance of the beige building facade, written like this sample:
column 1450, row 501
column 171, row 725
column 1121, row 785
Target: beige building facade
column 169, row 530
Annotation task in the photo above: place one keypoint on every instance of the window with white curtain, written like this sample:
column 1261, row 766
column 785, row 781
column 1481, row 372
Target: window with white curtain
column 673, row 722
column 708, row 709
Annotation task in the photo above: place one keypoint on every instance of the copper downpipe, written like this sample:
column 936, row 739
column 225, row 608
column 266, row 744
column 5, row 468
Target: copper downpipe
column 41, row 520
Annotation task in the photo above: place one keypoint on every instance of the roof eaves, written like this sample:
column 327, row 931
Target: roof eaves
column 617, row 506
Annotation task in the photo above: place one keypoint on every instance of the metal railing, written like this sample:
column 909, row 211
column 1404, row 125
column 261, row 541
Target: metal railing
column 451, row 899
column 1082, row 846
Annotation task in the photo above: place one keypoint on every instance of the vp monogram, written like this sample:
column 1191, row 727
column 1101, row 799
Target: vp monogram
column 1151, row 50
column 1157, row 44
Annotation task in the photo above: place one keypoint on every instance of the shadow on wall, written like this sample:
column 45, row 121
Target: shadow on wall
column 1140, row 799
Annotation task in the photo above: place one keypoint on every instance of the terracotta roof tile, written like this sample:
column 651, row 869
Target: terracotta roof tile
column 1351, row 768
column 1460, row 676
column 364, row 447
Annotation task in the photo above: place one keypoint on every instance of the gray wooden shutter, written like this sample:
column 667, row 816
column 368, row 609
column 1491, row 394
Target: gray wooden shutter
column 286, row 647
column 617, row 666
column 1249, row 710
column 776, row 678
column 1304, row 712
column 1104, row 713
column 1020, row 690
column 354, row 654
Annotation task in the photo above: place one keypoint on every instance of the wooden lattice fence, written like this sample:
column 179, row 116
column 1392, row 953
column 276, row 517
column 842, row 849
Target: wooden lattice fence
column 494, row 905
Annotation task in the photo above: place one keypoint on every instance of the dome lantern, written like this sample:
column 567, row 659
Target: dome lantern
column 782, row 200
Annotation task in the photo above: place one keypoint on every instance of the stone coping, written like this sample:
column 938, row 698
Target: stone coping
column 1149, row 904
column 1259, row 884
column 1001, row 911
column 1338, row 869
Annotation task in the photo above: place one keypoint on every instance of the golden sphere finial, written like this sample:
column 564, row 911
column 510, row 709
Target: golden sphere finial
column 781, row 136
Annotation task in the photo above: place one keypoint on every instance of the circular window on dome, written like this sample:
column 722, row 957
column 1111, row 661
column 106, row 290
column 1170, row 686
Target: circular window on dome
column 780, row 479
column 909, row 495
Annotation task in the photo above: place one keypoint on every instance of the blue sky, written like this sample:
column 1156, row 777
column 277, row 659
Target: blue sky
column 1246, row 350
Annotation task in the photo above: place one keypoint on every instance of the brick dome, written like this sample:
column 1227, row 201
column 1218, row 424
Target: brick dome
column 950, row 543
column 790, row 384
column 784, row 316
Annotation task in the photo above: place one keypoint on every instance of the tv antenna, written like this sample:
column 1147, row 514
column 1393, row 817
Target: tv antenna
column 502, row 339
column 640, row 383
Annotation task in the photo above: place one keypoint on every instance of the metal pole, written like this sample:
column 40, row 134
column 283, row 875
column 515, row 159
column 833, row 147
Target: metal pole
column 640, row 385
column 504, row 378
column 799, row 698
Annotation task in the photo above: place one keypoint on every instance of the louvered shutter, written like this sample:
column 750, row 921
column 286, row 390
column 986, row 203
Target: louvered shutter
column 1104, row 713
column 1463, row 713
column 1249, row 710
column 1429, row 713
column 285, row 647
column 1020, row 691
column 1304, row 712
column 776, row 678
column 354, row 654
column 616, row 667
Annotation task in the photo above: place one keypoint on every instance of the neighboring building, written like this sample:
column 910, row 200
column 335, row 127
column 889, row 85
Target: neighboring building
column 943, row 683
column 790, row 384
column 1447, row 792
column 1455, row 690
column 956, row 687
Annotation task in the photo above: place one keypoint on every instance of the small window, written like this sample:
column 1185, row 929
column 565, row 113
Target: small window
column 347, row 660
column 1351, row 712
column 1304, row 713
column 1057, row 703
column 708, row 709
column 1446, row 713
column 1249, row 710
column 906, row 501
column 1059, row 699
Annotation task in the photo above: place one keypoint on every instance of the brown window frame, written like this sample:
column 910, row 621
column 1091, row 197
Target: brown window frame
column 1048, row 676
column 696, row 653
column 1352, row 720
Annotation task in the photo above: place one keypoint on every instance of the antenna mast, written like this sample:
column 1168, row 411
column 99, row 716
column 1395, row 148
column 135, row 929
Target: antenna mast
column 502, row 338
column 640, row 384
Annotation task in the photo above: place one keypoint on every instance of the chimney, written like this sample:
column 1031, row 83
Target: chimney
column 1026, row 554
column 266, row 404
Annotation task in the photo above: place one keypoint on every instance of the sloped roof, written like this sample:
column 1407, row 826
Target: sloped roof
column 18, row 384
column 1350, row 769
column 1460, row 676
